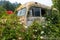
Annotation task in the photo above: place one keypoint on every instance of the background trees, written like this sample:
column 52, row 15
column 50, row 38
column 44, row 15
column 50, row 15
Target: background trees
column 10, row 6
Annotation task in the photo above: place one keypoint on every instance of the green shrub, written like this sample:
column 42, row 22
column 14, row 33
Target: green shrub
column 11, row 28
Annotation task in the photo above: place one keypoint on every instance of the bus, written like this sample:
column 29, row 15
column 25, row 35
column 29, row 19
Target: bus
column 32, row 11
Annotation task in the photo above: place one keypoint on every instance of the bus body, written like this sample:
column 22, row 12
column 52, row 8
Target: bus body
column 32, row 11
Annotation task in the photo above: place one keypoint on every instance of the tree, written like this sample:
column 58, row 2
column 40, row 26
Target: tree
column 56, row 4
column 8, row 6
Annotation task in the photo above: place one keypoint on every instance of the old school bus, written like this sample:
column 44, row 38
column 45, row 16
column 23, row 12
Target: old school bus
column 32, row 11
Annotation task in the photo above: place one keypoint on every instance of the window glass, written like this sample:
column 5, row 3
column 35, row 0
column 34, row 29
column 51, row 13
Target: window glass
column 35, row 11
column 22, row 12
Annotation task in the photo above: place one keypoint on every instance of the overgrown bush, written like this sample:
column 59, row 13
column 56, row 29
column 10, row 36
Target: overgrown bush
column 10, row 28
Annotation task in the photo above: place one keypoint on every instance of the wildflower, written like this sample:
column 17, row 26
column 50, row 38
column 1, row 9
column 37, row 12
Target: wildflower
column 46, row 24
column 13, row 39
column 41, row 37
column 50, row 26
column 26, row 26
column 20, row 38
column 34, row 36
column 14, row 27
column 43, row 26
column 20, row 22
column 42, row 32
column 35, row 30
column 51, row 18
column 49, row 22
column 48, row 19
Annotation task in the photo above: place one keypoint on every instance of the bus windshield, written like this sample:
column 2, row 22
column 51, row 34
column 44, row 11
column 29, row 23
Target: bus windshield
column 21, row 12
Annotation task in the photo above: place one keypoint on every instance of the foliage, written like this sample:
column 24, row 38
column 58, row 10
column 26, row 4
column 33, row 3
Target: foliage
column 2, row 11
column 56, row 4
column 10, row 6
column 10, row 28
column 33, row 32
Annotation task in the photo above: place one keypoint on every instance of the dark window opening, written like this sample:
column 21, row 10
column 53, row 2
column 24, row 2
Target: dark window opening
column 43, row 12
column 28, row 14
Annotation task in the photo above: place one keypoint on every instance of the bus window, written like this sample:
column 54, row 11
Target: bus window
column 35, row 11
column 21, row 12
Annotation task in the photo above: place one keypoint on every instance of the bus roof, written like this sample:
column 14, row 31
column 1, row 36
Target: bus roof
column 29, row 4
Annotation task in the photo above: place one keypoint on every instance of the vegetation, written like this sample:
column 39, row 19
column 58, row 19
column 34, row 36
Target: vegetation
column 2, row 11
column 56, row 4
column 10, row 28
column 9, row 6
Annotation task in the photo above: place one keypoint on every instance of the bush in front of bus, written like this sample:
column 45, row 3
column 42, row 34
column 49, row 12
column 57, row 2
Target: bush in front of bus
column 10, row 28
column 47, row 30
